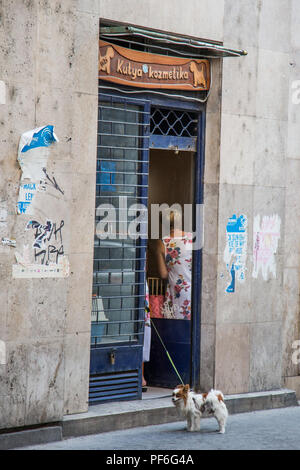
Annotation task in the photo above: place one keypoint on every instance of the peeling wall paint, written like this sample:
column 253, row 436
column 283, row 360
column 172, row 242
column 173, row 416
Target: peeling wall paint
column 2, row 352
column 3, row 214
column 235, row 252
column 266, row 234
column 2, row 92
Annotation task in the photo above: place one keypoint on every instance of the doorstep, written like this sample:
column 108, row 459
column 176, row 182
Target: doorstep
column 154, row 408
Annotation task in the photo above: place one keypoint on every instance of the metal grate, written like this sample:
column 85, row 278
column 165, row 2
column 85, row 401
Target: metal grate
column 173, row 122
column 117, row 386
column 119, row 261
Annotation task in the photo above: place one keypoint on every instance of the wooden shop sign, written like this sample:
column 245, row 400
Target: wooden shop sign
column 141, row 69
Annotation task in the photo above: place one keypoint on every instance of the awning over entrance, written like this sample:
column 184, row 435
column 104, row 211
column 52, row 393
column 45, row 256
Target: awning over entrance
column 192, row 47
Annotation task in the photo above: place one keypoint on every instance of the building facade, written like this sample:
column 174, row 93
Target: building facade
column 244, row 325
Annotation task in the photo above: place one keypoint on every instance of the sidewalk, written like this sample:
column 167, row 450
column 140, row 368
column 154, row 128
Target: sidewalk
column 155, row 408
column 276, row 429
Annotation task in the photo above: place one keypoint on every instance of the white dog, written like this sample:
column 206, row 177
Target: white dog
column 182, row 398
column 213, row 404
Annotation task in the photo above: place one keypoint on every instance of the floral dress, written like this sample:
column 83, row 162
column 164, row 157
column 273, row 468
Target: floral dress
column 178, row 256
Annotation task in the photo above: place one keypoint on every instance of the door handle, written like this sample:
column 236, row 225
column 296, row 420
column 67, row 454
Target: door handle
column 113, row 357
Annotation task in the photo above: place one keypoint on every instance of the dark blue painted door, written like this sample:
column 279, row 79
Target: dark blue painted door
column 119, row 257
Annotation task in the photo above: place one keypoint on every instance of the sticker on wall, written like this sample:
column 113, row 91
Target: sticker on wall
column 8, row 242
column 33, row 270
column 27, row 191
column 235, row 252
column 266, row 234
column 32, row 156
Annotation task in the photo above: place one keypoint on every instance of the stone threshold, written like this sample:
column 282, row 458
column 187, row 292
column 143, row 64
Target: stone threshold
column 154, row 410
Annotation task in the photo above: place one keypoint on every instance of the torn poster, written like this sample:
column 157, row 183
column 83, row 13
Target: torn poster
column 33, row 154
column 266, row 234
column 235, row 252
column 27, row 191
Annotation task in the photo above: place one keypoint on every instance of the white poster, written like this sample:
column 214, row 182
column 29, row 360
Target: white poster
column 266, row 234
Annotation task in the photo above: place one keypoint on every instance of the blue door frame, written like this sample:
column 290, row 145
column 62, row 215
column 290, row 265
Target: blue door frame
column 197, row 261
column 97, row 355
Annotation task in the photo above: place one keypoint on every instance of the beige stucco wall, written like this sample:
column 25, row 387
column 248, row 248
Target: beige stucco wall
column 48, row 62
column 259, row 175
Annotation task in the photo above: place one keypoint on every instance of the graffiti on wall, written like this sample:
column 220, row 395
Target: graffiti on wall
column 52, row 181
column 235, row 252
column 266, row 234
column 48, row 258
column 48, row 241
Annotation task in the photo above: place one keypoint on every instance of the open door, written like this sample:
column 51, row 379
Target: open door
column 175, row 165
column 171, row 181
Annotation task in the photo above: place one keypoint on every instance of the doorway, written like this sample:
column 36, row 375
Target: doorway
column 171, row 182
column 130, row 131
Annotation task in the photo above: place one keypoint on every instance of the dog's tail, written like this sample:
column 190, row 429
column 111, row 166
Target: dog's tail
column 218, row 394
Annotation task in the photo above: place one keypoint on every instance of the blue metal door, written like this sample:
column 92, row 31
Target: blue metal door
column 119, row 258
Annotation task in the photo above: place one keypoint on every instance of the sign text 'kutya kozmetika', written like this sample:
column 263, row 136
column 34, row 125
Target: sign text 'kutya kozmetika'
column 141, row 69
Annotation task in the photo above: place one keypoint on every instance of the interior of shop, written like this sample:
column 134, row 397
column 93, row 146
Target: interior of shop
column 171, row 181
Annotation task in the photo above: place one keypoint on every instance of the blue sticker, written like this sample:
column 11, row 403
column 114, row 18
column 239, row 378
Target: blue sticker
column 22, row 206
column 231, row 287
column 42, row 138
column 236, row 224
column 235, row 253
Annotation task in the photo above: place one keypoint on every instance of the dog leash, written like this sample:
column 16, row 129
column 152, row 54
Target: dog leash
column 167, row 352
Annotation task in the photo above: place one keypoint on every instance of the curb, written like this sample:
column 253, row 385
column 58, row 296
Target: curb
column 115, row 416
column 258, row 401
column 163, row 411
column 42, row 435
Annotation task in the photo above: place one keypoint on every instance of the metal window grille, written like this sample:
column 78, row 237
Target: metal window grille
column 173, row 122
column 119, row 261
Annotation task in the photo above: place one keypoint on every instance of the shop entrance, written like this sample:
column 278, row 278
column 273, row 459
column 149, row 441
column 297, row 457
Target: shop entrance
column 171, row 182
column 131, row 131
